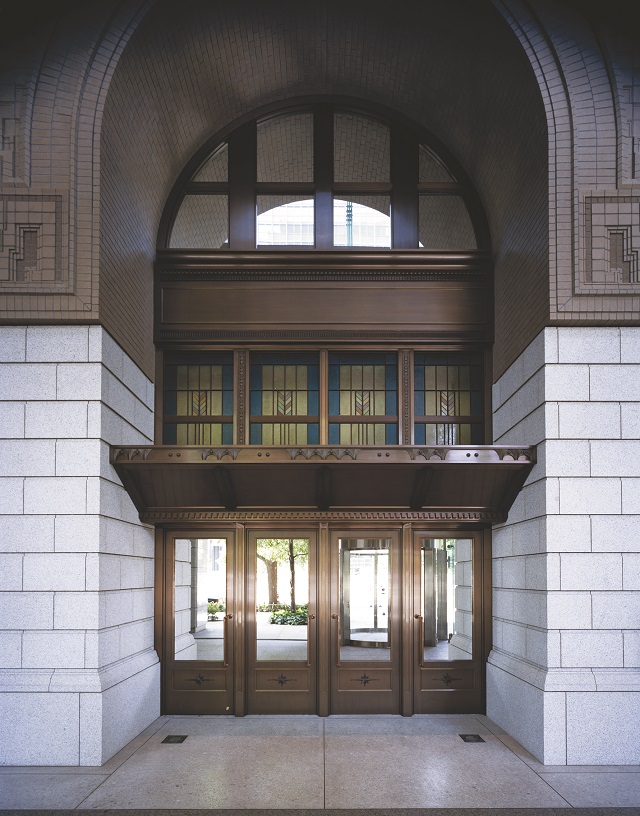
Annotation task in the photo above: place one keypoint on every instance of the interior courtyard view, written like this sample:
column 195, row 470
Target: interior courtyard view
column 319, row 404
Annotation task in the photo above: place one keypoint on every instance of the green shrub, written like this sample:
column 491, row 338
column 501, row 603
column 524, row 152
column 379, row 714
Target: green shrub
column 213, row 607
column 285, row 617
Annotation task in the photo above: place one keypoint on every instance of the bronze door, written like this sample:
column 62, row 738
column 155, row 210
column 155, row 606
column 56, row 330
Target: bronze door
column 314, row 621
column 449, row 642
column 281, row 622
column 365, row 642
column 199, row 622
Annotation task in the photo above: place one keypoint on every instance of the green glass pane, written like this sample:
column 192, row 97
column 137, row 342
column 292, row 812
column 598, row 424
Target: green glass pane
column 430, row 378
column 279, row 376
column 429, row 403
column 267, row 403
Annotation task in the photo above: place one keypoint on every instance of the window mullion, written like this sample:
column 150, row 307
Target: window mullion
column 242, row 180
column 324, row 397
column 323, row 172
column 404, row 197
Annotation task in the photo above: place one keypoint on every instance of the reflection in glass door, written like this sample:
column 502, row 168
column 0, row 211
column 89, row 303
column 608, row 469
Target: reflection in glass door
column 446, row 596
column 200, row 599
column 365, row 637
column 447, row 624
column 199, row 647
column 364, row 599
column 281, row 623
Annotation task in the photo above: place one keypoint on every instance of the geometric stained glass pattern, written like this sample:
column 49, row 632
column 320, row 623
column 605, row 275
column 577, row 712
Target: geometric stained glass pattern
column 198, row 394
column 284, row 398
column 363, row 398
column 448, row 398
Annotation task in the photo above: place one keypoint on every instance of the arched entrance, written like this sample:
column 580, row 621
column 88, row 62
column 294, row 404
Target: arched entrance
column 321, row 487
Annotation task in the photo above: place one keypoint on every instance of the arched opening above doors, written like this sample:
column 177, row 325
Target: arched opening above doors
column 323, row 176
column 323, row 326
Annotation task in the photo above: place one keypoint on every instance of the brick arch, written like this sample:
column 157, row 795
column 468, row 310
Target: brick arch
column 478, row 99
column 133, row 87
column 570, row 52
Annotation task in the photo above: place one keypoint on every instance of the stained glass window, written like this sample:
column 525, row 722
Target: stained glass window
column 284, row 398
column 448, row 399
column 363, row 398
column 198, row 399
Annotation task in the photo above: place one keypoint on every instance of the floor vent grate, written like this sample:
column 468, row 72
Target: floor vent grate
column 175, row 738
column 471, row 737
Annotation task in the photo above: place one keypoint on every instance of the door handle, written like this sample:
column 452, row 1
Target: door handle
column 225, row 639
column 420, row 628
column 309, row 618
column 336, row 618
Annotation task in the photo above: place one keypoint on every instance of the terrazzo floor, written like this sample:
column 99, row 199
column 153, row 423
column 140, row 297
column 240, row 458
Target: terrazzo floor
column 339, row 762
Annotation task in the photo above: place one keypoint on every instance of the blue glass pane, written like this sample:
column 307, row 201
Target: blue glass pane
column 334, row 433
column 312, row 377
column 477, row 437
column 476, row 403
column 391, row 378
column 255, row 434
column 334, row 376
column 227, row 433
column 313, row 403
column 418, row 403
column 313, row 434
column 170, row 436
column 391, row 434
column 476, row 377
column 256, row 377
column 334, row 403
column 170, row 377
column 227, row 403
column 170, row 406
column 227, row 377
column 419, row 435
column 418, row 378
column 256, row 403
column 391, row 403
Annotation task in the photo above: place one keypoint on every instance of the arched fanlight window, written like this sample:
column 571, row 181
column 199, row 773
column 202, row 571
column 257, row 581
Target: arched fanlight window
column 322, row 178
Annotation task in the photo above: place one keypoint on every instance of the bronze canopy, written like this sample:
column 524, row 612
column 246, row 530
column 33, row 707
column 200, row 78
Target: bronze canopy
column 479, row 482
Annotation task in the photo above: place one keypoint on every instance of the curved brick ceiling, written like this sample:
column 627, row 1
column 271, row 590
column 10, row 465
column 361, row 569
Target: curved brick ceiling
column 191, row 70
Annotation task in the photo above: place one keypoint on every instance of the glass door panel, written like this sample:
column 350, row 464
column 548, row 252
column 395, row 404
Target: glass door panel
column 365, row 616
column 449, row 582
column 282, row 599
column 281, row 622
column 364, row 599
column 447, row 598
column 198, row 669
column 200, row 598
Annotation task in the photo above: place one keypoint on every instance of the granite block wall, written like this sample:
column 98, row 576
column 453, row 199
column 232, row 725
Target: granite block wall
column 564, row 674
column 76, row 593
